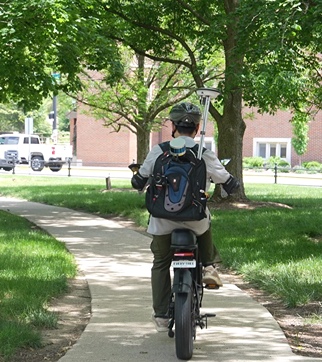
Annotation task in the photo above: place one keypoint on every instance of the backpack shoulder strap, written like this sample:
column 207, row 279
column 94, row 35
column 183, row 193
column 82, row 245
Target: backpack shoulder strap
column 164, row 146
column 195, row 149
column 162, row 157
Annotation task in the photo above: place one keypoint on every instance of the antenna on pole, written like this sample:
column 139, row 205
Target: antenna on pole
column 205, row 94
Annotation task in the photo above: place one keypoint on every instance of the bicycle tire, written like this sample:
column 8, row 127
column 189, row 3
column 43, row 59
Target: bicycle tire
column 184, row 324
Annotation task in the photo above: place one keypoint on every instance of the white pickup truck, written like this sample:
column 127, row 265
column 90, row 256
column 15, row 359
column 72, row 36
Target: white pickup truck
column 23, row 148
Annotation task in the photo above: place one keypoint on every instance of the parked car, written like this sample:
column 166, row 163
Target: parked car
column 21, row 148
column 6, row 165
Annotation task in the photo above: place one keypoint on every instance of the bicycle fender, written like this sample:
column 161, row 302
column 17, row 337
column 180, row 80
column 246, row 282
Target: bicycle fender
column 182, row 281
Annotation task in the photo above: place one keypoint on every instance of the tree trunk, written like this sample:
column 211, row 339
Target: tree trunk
column 143, row 144
column 231, row 130
column 143, row 128
column 231, row 126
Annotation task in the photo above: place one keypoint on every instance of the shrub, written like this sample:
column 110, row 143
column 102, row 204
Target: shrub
column 278, row 161
column 282, row 165
column 298, row 169
column 313, row 166
column 253, row 162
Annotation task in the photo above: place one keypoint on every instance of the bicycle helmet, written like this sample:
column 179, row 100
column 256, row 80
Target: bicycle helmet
column 185, row 115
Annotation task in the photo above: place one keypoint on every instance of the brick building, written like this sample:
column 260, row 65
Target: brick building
column 96, row 145
column 271, row 135
column 266, row 135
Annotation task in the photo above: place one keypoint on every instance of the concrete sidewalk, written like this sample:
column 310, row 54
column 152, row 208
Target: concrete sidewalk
column 116, row 263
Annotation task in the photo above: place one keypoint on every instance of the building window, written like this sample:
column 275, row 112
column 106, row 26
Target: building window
column 272, row 147
column 272, row 150
column 262, row 150
column 283, row 151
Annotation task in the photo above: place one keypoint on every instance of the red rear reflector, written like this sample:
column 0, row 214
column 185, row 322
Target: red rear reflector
column 184, row 254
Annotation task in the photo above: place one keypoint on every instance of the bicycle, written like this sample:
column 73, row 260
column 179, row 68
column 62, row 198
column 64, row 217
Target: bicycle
column 187, row 287
column 187, row 293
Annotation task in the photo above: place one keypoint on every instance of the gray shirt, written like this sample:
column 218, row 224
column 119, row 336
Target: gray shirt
column 215, row 172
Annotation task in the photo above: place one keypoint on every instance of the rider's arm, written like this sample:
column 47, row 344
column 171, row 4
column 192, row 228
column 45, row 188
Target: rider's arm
column 217, row 173
column 141, row 177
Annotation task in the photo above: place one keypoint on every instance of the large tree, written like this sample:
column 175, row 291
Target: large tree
column 270, row 50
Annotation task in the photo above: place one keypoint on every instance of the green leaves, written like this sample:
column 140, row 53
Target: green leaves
column 281, row 55
column 265, row 53
column 38, row 38
column 300, row 126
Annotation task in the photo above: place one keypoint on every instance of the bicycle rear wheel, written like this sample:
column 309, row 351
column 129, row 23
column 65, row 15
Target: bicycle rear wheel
column 184, row 324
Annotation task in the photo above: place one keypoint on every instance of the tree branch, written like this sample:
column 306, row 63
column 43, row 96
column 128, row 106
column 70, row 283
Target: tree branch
column 193, row 12
column 153, row 28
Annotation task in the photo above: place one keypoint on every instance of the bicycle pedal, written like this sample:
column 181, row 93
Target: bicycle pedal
column 211, row 286
column 203, row 322
column 209, row 315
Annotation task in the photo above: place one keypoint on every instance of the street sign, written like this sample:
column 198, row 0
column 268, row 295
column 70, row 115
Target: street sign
column 29, row 125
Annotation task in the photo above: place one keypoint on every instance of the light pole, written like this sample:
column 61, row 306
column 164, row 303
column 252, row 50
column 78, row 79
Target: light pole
column 56, row 77
column 54, row 113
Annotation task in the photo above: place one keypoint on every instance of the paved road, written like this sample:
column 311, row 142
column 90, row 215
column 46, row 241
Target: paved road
column 80, row 171
column 266, row 177
column 116, row 262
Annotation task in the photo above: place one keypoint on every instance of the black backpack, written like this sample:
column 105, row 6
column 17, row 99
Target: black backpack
column 176, row 189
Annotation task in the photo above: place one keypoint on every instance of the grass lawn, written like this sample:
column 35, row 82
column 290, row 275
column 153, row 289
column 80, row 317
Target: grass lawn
column 34, row 267
column 277, row 248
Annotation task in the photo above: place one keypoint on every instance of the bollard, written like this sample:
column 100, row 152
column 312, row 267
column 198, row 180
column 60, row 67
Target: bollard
column 108, row 183
column 69, row 165
column 275, row 173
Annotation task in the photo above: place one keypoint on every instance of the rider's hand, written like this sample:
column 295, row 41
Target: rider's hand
column 231, row 185
column 138, row 181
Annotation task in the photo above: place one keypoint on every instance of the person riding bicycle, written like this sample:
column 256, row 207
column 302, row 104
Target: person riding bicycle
column 185, row 119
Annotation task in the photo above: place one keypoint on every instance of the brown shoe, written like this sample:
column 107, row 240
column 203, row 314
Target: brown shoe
column 211, row 277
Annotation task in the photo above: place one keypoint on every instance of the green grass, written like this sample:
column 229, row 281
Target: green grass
column 277, row 248
column 81, row 194
column 34, row 267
